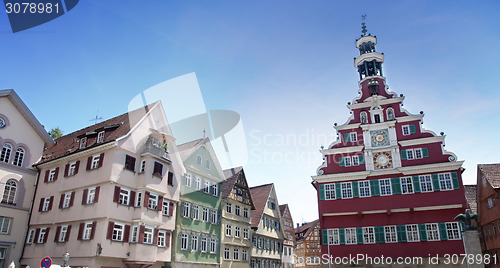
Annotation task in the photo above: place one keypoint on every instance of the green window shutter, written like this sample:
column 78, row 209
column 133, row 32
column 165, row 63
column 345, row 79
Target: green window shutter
column 413, row 129
column 416, row 184
column 462, row 226
column 347, row 137
column 359, row 234
column 401, row 233
column 321, row 192
column 456, row 183
column 425, row 152
column 435, row 182
column 396, row 185
column 361, row 159
column 403, row 154
column 341, row 161
column 423, row 232
column 379, row 234
column 342, row 236
column 442, row 231
column 338, row 191
column 355, row 191
column 376, row 187
column 325, row 237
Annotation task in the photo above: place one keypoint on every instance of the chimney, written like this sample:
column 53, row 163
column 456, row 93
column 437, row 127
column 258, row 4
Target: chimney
column 298, row 225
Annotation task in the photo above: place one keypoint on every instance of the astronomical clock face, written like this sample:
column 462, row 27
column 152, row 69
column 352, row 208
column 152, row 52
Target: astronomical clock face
column 379, row 137
column 382, row 160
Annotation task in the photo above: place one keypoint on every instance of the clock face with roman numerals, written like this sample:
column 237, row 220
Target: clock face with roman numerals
column 382, row 160
column 379, row 137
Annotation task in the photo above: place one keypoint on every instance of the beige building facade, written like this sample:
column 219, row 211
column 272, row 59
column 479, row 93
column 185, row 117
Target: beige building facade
column 107, row 194
column 22, row 140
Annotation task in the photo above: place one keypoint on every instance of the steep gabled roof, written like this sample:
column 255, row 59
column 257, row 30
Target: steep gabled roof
column 260, row 194
column 471, row 196
column 491, row 172
column 188, row 148
column 305, row 230
column 282, row 208
column 232, row 176
column 27, row 114
column 114, row 128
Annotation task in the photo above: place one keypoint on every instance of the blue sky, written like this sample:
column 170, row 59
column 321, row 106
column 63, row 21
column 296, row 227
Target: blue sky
column 285, row 66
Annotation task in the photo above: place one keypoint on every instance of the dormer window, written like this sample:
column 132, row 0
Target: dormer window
column 83, row 142
column 100, row 137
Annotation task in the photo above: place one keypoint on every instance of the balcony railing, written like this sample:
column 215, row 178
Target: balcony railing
column 157, row 147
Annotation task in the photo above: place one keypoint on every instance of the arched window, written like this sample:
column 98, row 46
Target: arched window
column 19, row 157
column 9, row 192
column 364, row 118
column 390, row 114
column 5, row 155
column 207, row 164
column 198, row 161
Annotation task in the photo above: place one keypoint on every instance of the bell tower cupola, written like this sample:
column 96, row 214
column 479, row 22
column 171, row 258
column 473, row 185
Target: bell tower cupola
column 369, row 62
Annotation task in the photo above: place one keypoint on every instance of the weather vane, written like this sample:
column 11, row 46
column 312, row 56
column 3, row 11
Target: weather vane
column 363, row 25
column 96, row 118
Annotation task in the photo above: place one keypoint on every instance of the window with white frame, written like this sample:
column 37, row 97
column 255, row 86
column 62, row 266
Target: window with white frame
column 330, row 191
column 186, row 209
column 406, row 185
column 9, row 192
column 229, row 230
column 135, row 234
column 194, row 242
column 184, row 241
column 390, row 234
column 205, row 215
column 214, row 189
column 226, row 253
column 46, row 204
column 213, row 245
column 237, row 210
column 385, row 186
column 445, row 181
column 406, row 130
column 66, row 200
column 425, row 183
column 83, row 142
column 95, row 161
column 143, row 166
column 229, row 208
column 412, row 233
column 203, row 244
column 124, row 196
column 245, row 233
column 346, row 188
column 166, row 208
column 409, row 154
column 368, row 235
column 350, row 236
column 206, row 186
column 355, row 160
column 418, row 153
column 245, row 213
column 432, row 231
column 41, row 235
column 118, row 229
column 4, row 225
column 195, row 211
column 237, row 231
column 100, row 137
column 197, row 183
column 148, row 235
column 354, row 136
column 162, row 239
column 244, row 255
column 347, row 161
column 153, row 201
column 364, row 188
column 6, row 151
column 236, row 254
column 187, row 180
column 72, row 168
column 18, row 157
column 213, row 216
column 452, row 230
column 87, row 231
column 52, row 174
column 31, row 236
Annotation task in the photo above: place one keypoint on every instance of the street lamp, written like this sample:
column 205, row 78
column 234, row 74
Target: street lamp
column 65, row 259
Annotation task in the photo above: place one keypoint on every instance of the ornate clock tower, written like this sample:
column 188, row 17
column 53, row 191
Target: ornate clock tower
column 387, row 187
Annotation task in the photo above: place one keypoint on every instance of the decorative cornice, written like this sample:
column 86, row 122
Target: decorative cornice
column 14, row 168
column 396, row 210
column 348, row 176
column 349, row 126
column 413, row 117
column 382, row 101
column 351, row 149
column 78, row 155
column 435, row 139
column 439, row 167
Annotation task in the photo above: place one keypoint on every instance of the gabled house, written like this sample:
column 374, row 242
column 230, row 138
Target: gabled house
column 198, row 232
column 237, row 206
column 107, row 194
column 22, row 140
column 267, row 228
column 289, row 242
column 308, row 248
